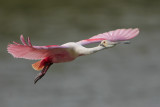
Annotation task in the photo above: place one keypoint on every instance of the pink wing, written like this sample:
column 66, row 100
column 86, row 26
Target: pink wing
column 28, row 51
column 114, row 36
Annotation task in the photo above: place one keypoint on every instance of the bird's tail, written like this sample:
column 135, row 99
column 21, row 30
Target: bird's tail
column 38, row 65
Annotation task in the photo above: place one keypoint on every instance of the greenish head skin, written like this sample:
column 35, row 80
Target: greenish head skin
column 108, row 44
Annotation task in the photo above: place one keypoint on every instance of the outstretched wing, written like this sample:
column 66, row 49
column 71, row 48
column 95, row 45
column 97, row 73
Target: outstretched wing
column 114, row 36
column 28, row 51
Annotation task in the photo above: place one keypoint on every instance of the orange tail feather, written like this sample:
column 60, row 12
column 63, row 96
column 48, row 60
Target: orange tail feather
column 38, row 65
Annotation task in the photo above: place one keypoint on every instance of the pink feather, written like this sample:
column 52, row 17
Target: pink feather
column 28, row 51
column 114, row 36
column 55, row 54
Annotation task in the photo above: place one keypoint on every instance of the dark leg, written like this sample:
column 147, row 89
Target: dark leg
column 42, row 73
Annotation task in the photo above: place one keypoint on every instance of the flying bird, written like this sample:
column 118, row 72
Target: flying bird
column 69, row 51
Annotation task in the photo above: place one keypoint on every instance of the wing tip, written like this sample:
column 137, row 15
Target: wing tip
column 135, row 32
column 137, row 29
column 11, row 49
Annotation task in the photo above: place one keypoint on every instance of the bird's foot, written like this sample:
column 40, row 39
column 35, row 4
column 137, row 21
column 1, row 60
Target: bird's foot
column 42, row 73
column 38, row 77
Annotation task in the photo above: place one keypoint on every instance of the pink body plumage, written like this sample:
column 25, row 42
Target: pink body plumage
column 67, row 52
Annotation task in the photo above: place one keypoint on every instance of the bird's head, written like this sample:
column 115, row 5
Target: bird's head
column 107, row 44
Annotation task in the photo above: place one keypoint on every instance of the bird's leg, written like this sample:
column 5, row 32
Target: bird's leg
column 43, row 72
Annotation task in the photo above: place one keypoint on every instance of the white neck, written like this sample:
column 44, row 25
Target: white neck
column 87, row 51
column 77, row 49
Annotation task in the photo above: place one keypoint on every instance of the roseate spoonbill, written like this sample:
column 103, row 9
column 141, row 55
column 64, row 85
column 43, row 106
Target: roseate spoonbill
column 69, row 51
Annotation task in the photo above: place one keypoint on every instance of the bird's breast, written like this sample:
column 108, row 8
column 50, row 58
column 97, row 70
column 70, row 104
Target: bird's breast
column 64, row 57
